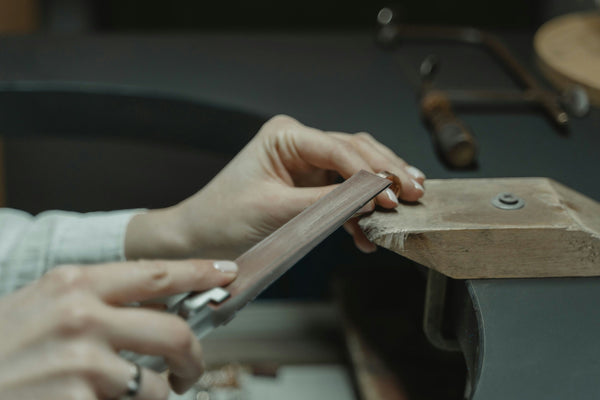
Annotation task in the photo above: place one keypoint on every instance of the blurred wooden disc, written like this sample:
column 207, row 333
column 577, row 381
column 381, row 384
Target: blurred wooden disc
column 568, row 51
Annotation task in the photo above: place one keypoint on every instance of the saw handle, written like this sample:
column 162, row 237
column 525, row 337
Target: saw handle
column 452, row 138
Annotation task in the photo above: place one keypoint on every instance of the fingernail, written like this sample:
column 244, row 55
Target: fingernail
column 418, row 186
column 367, row 208
column 390, row 194
column 226, row 266
column 415, row 172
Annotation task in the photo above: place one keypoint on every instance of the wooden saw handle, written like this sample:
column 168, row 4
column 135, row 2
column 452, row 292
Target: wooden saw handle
column 452, row 138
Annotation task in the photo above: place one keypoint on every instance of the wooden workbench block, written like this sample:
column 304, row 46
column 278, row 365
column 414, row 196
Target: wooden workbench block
column 456, row 230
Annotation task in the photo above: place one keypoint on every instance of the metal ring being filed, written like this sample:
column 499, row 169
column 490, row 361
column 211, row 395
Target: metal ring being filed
column 133, row 384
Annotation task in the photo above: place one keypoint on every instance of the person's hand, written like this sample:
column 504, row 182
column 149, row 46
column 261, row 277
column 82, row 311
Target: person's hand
column 61, row 334
column 284, row 169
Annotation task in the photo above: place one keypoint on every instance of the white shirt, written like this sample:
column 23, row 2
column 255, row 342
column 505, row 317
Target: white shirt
column 30, row 246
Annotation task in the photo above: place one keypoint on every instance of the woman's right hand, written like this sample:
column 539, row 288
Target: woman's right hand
column 61, row 335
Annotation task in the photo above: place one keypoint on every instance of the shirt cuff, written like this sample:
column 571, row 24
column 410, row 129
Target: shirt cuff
column 89, row 238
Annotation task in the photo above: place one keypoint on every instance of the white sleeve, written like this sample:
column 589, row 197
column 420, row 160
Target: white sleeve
column 30, row 246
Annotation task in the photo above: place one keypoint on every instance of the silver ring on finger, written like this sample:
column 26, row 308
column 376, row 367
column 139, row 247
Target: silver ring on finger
column 134, row 383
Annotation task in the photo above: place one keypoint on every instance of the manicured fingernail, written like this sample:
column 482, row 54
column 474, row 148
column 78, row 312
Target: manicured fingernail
column 226, row 266
column 390, row 194
column 367, row 208
column 418, row 186
column 415, row 172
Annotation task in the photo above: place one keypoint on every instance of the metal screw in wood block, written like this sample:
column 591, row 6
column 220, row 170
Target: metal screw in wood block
column 508, row 201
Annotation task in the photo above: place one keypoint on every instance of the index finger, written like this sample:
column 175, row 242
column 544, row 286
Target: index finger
column 330, row 152
column 127, row 282
column 327, row 151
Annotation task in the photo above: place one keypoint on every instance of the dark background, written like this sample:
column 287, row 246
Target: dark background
column 272, row 15
column 263, row 15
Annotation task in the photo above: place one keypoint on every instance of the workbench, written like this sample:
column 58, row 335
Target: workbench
column 343, row 81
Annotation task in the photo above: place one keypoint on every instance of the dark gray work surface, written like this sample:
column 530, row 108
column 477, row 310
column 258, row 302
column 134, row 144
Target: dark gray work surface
column 331, row 81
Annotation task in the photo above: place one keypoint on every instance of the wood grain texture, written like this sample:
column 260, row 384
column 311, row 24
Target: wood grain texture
column 568, row 51
column 456, row 230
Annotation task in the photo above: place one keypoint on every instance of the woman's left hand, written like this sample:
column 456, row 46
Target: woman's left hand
column 285, row 168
